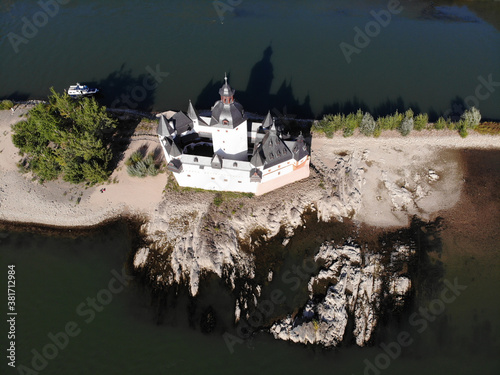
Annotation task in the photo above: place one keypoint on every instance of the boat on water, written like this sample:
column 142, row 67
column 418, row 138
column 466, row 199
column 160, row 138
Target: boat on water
column 78, row 90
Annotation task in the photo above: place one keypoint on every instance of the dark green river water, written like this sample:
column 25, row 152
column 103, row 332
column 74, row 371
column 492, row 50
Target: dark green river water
column 310, row 57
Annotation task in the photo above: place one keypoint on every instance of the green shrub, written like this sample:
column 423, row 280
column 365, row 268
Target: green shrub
column 421, row 121
column 471, row 118
column 407, row 124
column 368, row 125
column 140, row 166
column 6, row 104
column 218, row 199
column 440, row 124
column 462, row 128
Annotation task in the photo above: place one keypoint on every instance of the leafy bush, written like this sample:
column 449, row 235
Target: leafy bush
column 421, row 121
column 462, row 128
column 6, row 104
column 140, row 166
column 440, row 124
column 471, row 117
column 66, row 137
column 368, row 125
column 406, row 126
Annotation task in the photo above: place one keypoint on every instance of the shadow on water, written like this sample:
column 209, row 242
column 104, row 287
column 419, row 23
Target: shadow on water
column 122, row 89
column 257, row 96
column 18, row 96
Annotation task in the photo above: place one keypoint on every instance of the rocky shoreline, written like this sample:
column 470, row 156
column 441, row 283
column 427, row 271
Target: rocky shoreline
column 379, row 182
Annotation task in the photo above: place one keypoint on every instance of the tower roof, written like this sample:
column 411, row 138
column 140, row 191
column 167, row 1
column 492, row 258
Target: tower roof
column 274, row 149
column 299, row 149
column 226, row 90
column 182, row 122
column 268, row 121
column 164, row 128
column 226, row 112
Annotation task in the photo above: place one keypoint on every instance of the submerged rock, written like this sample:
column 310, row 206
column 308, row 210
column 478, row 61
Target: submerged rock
column 355, row 280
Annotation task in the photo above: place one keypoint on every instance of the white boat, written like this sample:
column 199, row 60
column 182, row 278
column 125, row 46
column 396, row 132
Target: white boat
column 81, row 90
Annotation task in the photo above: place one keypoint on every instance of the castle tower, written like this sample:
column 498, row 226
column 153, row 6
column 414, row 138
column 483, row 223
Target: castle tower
column 229, row 123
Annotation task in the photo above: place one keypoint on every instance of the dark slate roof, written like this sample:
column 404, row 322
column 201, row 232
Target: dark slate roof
column 299, row 149
column 172, row 148
column 255, row 175
column 193, row 115
column 164, row 128
column 217, row 162
column 274, row 149
column 233, row 113
column 182, row 123
column 175, row 165
column 258, row 158
column 226, row 90
column 268, row 121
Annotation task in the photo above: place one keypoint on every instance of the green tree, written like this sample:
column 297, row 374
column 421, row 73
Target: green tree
column 471, row 117
column 368, row 125
column 421, row 121
column 66, row 137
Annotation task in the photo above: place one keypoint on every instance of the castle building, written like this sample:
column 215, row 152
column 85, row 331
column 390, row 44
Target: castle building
column 228, row 152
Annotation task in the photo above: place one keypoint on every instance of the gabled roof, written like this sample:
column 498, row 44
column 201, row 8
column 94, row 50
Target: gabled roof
column 274, row 148
column 164, row 128
column 299, row 149
column 216, row 162
column 182, row 123
column 175, row 165
column 255, row 175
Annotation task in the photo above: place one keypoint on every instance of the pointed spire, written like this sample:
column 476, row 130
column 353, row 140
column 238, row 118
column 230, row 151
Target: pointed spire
column 268, row 121
column 164, row 128
column 191, row 111
column 273, row 127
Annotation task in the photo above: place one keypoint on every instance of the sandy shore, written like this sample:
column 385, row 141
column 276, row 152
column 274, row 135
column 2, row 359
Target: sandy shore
column 62, row 204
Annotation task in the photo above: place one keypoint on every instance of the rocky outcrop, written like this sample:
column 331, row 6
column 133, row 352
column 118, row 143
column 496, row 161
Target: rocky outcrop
column 357, row 283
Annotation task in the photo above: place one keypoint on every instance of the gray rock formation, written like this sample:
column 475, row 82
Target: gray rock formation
column 356, row 280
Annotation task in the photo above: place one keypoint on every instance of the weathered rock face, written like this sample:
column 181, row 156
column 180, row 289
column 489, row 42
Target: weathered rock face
column 356, row 282
column 196, row 236
column 382, row 186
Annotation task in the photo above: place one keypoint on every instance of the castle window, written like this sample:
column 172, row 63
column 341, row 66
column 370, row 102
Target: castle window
column 235, row 164
column 239, row 182
column 213, row 178
column 225, row 122
column 196, row 160
column 279, row 173
column 225, row 180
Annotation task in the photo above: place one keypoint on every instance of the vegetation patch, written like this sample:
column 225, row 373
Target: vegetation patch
column 68, row 138
column 405, row 123
column 491, row 128
column 6, row 104
column 139, row 165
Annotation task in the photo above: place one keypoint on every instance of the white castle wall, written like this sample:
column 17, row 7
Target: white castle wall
column 231, row 143
column 208, row 178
